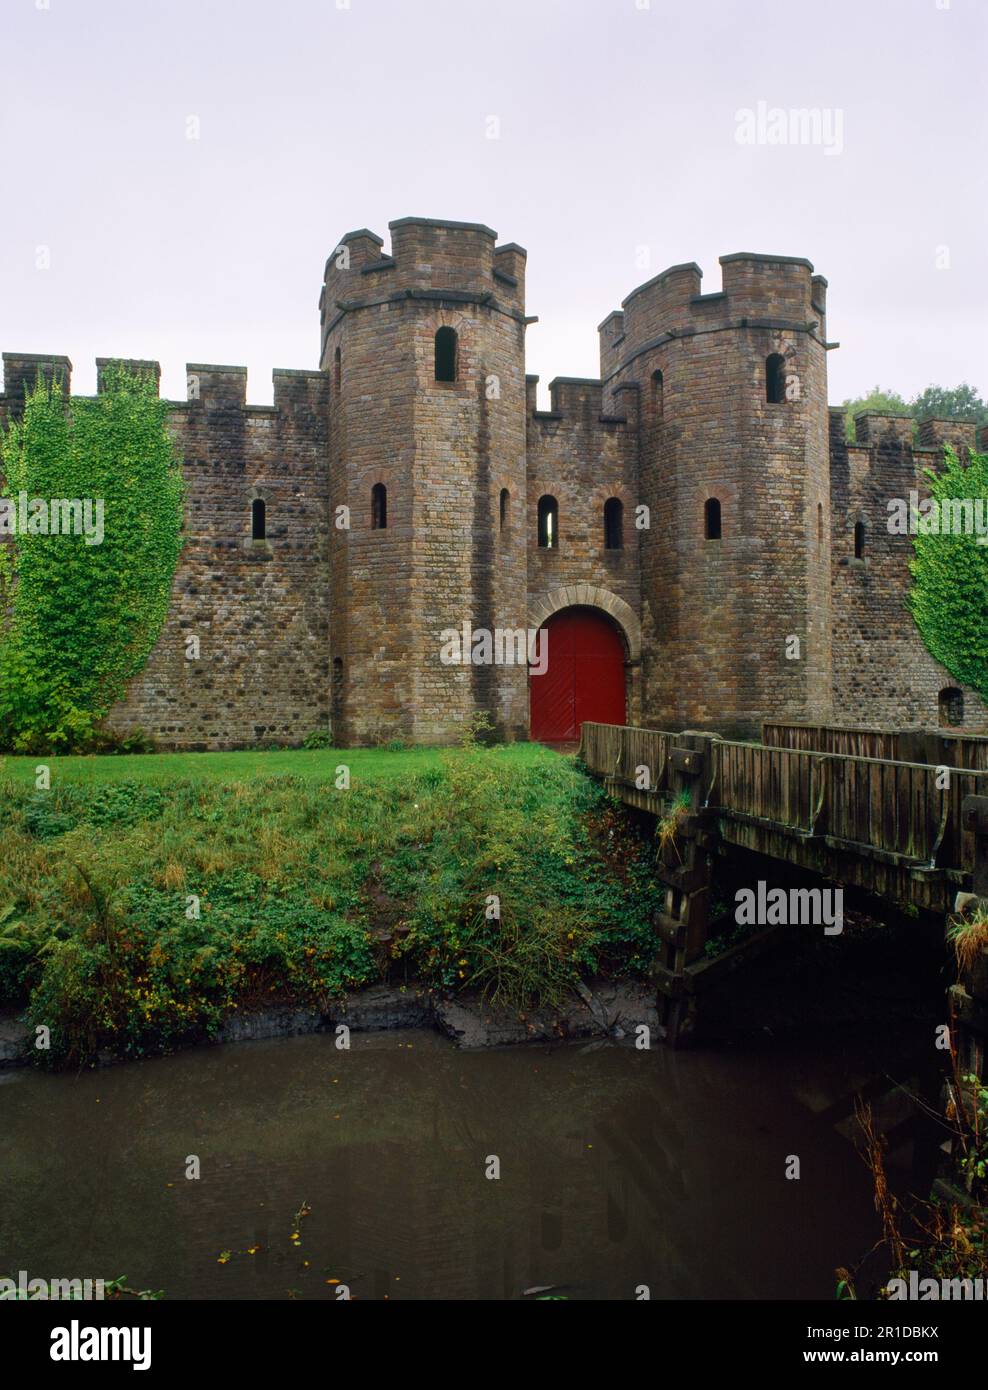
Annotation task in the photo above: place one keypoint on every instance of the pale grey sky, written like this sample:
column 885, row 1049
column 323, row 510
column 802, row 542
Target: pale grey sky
column 618, row 155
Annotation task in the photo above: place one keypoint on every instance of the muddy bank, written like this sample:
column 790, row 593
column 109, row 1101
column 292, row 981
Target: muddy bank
column 605, row 1010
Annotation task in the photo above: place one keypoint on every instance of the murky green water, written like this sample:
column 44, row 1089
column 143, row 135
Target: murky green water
column 618, row 1168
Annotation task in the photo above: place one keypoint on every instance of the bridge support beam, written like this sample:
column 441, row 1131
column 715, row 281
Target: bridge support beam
column 684, row 865
column 968, row 998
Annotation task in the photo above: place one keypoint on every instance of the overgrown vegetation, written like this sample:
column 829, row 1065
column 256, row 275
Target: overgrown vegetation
column 136, row 917
column 969, row 937
column 669, row 824
column 939, row 1239
column 77, row 620
column 935, row 1239
column 949, row 597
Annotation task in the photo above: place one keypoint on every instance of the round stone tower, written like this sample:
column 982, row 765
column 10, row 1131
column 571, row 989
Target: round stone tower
column 734, row 471
column 425, row 351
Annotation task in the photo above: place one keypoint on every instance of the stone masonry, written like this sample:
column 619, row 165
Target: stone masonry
column 399, row 504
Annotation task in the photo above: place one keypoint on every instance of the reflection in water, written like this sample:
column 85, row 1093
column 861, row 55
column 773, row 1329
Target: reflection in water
column 618, row 1168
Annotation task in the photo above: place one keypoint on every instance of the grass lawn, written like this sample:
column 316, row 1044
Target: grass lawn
column 163, row 769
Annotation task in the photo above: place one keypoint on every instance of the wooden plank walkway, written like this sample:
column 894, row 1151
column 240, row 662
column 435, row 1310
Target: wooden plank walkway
column 891, row 826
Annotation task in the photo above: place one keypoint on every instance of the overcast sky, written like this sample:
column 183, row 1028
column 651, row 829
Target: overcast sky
column 618, row 154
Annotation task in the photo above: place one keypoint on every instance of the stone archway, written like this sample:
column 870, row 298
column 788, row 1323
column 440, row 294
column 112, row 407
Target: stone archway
column 592, row 596
column 594, row 652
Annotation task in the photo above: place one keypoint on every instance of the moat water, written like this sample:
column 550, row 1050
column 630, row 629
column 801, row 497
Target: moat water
column 618, row 1169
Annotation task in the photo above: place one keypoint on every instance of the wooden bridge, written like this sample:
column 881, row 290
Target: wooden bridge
column 899, row 814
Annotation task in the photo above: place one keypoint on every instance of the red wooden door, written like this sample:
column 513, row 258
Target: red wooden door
column 584, row 679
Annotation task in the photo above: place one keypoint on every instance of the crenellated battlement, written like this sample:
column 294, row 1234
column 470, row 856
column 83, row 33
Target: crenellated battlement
column 663, row 305
column 935, row 432
column 574, row 395
column 758, row 291
column 837, row 426
column 136, row 366
column 578, row 399
column 768, row 286
column 21, row 371
column 899, row 430
column 209, row 385
column 431, row 259
column 888, row 429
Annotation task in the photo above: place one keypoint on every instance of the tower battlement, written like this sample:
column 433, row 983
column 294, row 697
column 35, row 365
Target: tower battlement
column 758, row 291
column 431, row 259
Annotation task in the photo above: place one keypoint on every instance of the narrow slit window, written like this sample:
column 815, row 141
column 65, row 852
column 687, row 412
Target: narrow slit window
column 258, row 520
column 819, row 523
column 379, row 507
column 658, row 401
column 859, row 540
column 951, row 707
column 775, row 379
column 711, row 519
column 503, row 507
column 337, row 696
column 548, row 523
column 613, row 524
column 337, row 368
column 446, row 354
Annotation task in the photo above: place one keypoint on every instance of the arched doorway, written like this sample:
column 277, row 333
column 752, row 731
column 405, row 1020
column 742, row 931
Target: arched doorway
column 584, row 679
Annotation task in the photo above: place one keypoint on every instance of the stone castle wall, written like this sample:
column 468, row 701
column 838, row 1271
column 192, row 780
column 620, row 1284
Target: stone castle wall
column 883, row 673
column 334, row 622
column 259, row 609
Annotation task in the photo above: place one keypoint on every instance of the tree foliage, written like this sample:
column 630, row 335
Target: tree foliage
column 953, row 403
column 78, row 620
column 942, row 402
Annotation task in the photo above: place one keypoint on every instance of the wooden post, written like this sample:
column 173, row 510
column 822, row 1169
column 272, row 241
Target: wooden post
column 685, row 866
column 969, row 997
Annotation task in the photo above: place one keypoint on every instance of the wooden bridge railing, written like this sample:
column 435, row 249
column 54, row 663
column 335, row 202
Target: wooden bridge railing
column 617, row 752
column 902, row 810
column 949, row 749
